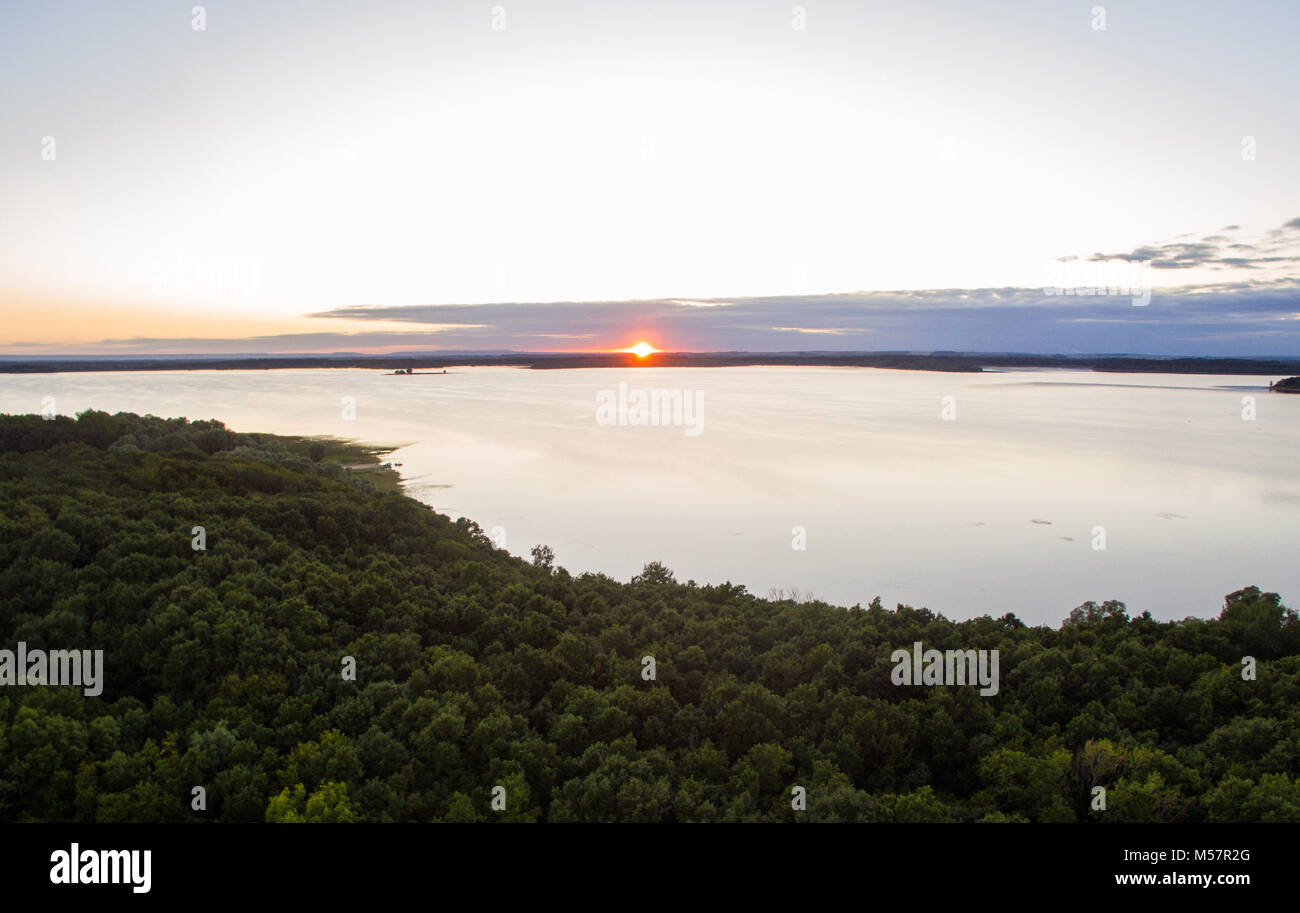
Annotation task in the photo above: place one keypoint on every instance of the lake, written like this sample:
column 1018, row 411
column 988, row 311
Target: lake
column 1014, row 491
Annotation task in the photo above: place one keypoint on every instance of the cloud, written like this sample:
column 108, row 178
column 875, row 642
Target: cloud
column 1234, row 317
column 1255, row 316
column 828, row 331
column 1277, row 248
column 1251, row 312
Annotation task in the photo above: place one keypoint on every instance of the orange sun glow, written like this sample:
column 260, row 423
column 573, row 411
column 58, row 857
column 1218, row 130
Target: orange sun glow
column 641, row 349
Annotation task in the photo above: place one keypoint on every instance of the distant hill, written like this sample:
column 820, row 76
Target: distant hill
column 914, row 361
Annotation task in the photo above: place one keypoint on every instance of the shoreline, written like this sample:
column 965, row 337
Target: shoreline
column 946, row 362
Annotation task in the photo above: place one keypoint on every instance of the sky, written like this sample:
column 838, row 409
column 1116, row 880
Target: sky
column 566, row 175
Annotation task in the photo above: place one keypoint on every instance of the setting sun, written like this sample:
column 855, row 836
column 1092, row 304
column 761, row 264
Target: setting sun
column 641, row 349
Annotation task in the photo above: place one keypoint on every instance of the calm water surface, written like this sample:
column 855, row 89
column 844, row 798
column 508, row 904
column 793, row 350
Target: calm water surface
column 993, row 510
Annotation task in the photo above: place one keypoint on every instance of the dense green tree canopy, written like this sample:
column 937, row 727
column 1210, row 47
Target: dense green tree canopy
column 490, row 688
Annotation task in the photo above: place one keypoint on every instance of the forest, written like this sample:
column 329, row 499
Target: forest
column 327, row 650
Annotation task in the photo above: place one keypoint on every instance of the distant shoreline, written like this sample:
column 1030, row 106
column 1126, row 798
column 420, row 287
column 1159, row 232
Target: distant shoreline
column 961, row 362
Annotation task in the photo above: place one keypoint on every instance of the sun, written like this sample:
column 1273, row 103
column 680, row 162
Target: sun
column 641, row 349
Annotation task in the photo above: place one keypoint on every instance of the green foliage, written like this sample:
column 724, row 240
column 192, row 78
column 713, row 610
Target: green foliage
column 327, row 805
column 476, row 669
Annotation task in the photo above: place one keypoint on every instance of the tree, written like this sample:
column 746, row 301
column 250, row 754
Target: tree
column 543, row 557
column 655, row 574
column 476, row 669
column 327, row 805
